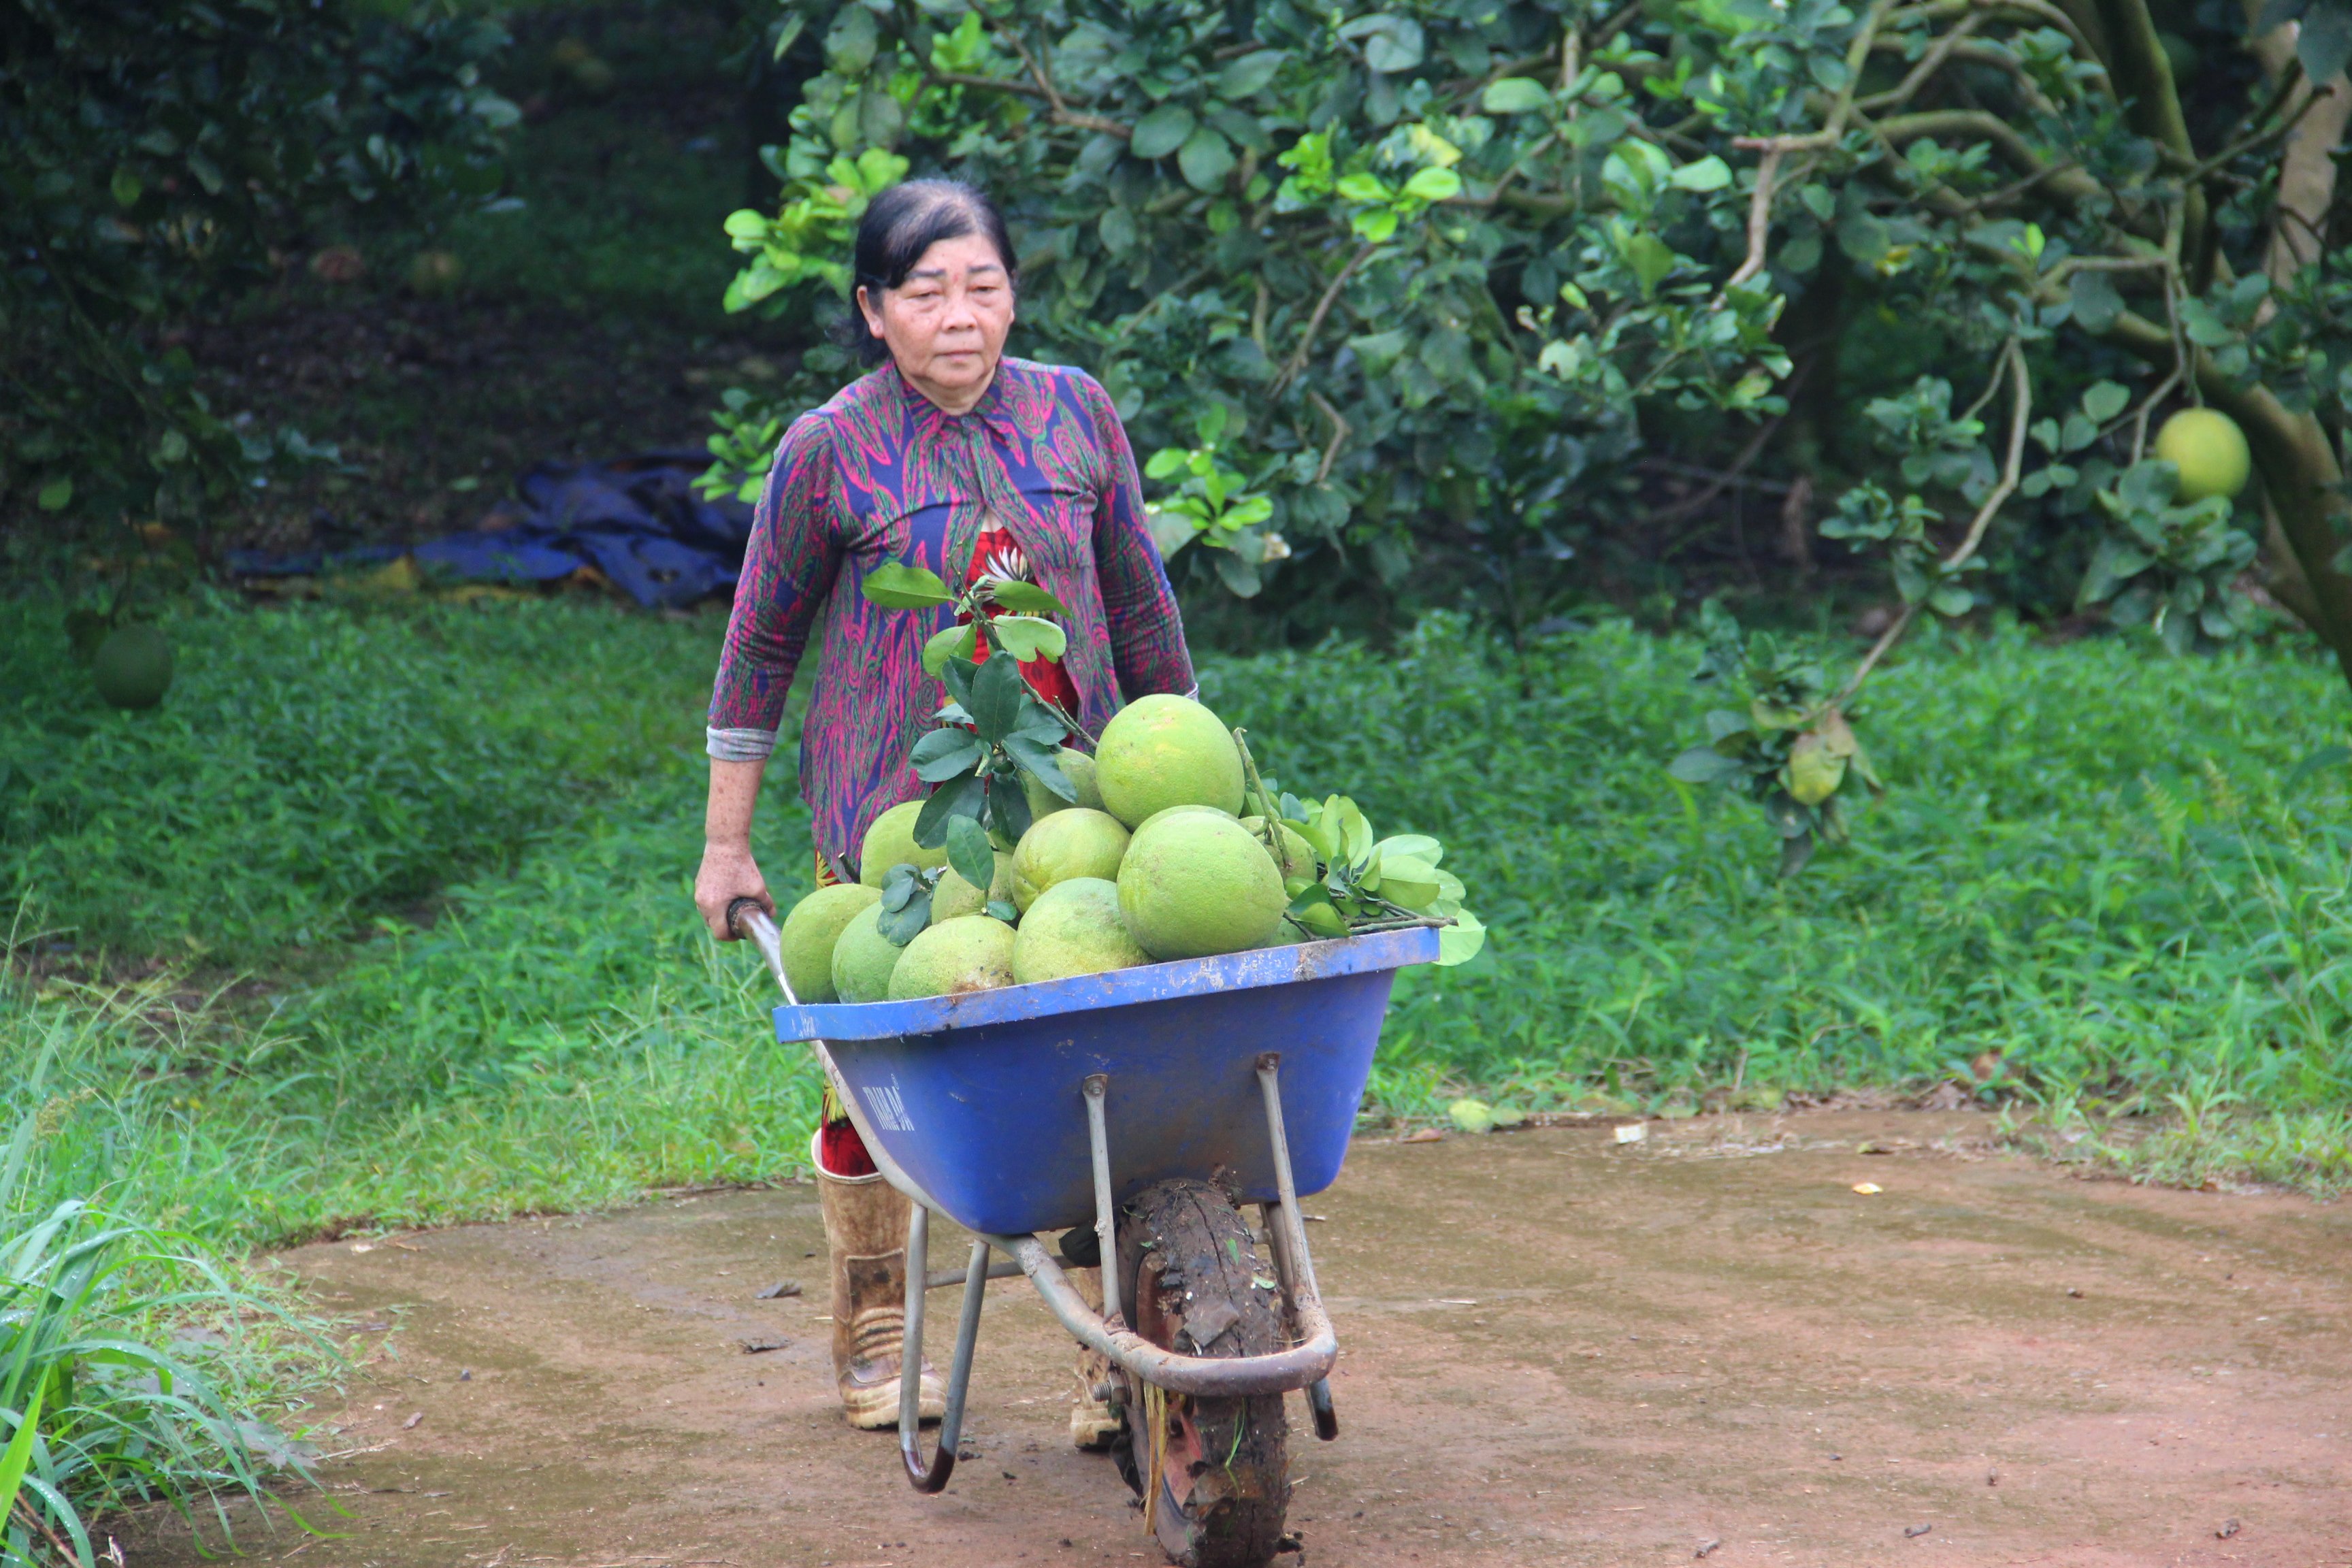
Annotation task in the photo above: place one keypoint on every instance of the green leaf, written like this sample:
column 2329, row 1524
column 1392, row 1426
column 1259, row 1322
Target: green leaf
column 1650, row 258
column 1207, row 158
column 128, row 189
column 55, row 495
column 1434, row 185
column 1250, row 73
column 1705, row 765
column 1390, row 43
column 955, row 642
column 1162, row 132
column 969, row 851
column 900, row 926
column 1460, row 943
column 1709, row 174
column 944, row 754
column 896, row 585
column 1472, row 1115
column 18, row 1455
column 2103, row 401
column 1008, row 806
column 1002, row 910
column 2325, row 43
column 1041, row 760
column 2096, row 303
column 1515, row 95
column 1027, row 637
column 1023, row 598
column 995, row 703
column 898, row 885
column 962, row 797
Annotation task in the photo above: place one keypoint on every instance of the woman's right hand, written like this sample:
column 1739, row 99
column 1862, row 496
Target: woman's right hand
column 728, row 873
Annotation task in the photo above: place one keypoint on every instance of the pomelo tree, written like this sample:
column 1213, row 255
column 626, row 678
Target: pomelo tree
column 1383, row 281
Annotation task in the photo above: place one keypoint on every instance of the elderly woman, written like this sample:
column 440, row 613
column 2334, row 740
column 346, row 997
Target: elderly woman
column 950, row 457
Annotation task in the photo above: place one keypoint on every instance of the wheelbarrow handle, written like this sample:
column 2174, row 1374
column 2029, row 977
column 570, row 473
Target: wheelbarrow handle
column 748, row 919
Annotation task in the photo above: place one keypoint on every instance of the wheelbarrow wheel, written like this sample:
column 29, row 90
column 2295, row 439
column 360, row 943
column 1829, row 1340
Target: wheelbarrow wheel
column 1197, row 1286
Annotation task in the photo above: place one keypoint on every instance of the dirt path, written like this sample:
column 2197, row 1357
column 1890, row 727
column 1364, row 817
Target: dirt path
column 1559, row 1350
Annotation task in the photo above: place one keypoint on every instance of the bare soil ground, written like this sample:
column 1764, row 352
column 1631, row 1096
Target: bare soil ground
column 1559, row 1350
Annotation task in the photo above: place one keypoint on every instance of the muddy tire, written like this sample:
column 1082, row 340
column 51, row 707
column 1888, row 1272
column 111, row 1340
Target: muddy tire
column 1197, row 1286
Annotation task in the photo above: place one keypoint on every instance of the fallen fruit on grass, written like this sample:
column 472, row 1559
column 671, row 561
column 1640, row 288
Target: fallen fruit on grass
column 1074, row 928
column 435, row 273
column 132, row 667
column 811, row 932
column 970, row 952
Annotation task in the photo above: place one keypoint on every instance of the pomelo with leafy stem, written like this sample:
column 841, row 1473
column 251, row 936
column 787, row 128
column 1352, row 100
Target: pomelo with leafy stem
column 810, row 931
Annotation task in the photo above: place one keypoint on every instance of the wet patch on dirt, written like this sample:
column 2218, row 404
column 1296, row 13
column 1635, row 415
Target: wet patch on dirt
column 1559, row 1350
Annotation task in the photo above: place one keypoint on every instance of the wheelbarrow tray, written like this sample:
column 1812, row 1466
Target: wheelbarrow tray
column 976, row 1101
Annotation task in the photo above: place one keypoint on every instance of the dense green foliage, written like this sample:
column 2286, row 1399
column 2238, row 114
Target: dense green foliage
column 2108, row 881
column 158, row 159
column 1453, row 267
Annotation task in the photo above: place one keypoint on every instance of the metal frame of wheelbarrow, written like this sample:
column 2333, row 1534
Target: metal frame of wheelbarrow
column 1305, row 1365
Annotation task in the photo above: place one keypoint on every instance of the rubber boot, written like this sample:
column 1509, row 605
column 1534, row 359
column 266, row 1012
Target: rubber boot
column 866, row 1235
column 1094, row 1424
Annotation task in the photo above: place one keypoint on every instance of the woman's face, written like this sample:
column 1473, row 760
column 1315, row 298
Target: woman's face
column 945, row 325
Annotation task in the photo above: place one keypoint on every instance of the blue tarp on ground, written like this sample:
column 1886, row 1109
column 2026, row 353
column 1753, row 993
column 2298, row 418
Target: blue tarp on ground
column 637, row 520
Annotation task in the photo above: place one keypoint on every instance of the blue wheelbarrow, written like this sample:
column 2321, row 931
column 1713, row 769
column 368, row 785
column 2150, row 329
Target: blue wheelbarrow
column 1137, row 1111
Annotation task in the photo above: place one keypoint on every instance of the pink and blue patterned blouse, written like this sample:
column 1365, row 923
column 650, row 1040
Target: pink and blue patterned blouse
column 882, row 473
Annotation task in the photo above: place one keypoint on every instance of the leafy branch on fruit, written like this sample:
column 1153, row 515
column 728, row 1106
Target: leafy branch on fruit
column 994, row 729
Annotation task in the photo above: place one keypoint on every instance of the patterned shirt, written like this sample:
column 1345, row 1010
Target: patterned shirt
column 882, row 473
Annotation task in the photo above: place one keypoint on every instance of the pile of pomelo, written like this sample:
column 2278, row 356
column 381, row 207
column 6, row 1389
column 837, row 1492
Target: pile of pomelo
column 1152, row 862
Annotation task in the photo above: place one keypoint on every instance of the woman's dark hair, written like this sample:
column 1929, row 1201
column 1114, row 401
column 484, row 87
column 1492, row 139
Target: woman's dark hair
column 901, row 224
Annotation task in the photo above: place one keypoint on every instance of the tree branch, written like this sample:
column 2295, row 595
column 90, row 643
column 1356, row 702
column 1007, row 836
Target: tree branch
column 2021, row 413
column 1315, row 323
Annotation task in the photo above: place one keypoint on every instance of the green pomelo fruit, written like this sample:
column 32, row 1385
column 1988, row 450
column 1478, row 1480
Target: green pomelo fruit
column 970, row 952
column 1183, row 810
column 863, row 958
column 1161, row 751
column 810, row 932
column 1079, row 842
column 1079, row 769
column 1196, row 885
column 1298, row 856
column 435, row 273
column 132, row 667
column 891, row 842
column 1074, row 928
column 954, row 896
column 2208, row 449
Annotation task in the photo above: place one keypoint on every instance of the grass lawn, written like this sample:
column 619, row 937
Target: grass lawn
column 382, row 919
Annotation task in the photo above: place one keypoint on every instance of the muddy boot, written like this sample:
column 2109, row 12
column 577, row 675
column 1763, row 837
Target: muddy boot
column 1094, row 1424
column 866, row 1234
